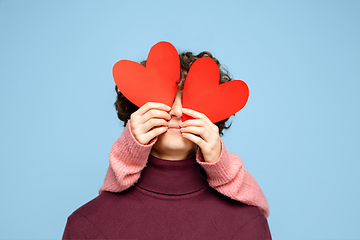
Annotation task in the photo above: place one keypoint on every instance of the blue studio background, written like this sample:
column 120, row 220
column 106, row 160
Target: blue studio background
column 298, row 135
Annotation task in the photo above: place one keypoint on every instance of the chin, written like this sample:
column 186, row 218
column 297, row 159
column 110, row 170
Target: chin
column 174, row 141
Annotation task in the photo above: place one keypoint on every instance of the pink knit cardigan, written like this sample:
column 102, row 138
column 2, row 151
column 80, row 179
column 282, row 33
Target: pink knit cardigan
column 228, row 176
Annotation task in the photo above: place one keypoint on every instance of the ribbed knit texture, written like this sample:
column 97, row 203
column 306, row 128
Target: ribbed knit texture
column 228, row 176
column 171, row 201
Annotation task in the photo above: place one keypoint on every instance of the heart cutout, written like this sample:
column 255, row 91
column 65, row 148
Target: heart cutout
column 154, row 83
column 203, row 93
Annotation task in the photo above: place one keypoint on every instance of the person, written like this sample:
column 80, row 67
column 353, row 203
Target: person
column 169, row 179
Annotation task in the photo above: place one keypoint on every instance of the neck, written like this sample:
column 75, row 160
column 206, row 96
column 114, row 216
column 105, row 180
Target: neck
column 173, row 155
column 172, row 178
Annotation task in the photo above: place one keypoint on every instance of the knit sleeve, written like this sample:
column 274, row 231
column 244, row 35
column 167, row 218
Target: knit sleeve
column 229, row 177
column 127, row 159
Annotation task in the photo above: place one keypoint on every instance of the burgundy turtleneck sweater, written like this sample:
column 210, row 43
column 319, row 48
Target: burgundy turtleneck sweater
column 171, row 200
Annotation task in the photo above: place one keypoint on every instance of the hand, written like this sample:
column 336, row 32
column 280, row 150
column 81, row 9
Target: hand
column 203, row 133
column 149, row 121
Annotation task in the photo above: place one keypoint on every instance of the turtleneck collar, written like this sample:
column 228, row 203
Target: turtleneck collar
column 171, row 177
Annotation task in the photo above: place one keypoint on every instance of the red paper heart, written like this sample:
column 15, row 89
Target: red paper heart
column 203, row 93
column 154, row 83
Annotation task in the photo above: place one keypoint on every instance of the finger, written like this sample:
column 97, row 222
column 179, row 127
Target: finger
column 195, row 139
column 154, row 133
column 152, row 105
column 192, row 113
column 203, row 121
column 194, row 122
column 153, row 122
column 195, row 114
column 138, row 121
column 200, row 131
column 154, row 113
column 211, row 128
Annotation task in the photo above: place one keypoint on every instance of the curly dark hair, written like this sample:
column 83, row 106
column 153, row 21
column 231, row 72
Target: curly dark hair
column 125, row 108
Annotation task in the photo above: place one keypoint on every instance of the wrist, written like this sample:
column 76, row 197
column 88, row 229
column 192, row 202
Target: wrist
column 214, row 155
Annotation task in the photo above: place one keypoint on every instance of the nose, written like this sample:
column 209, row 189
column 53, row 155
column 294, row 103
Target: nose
column 175, row 111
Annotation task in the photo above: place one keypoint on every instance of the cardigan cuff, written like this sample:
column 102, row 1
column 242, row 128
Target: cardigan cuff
column 134, row 149
column 221, row 171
